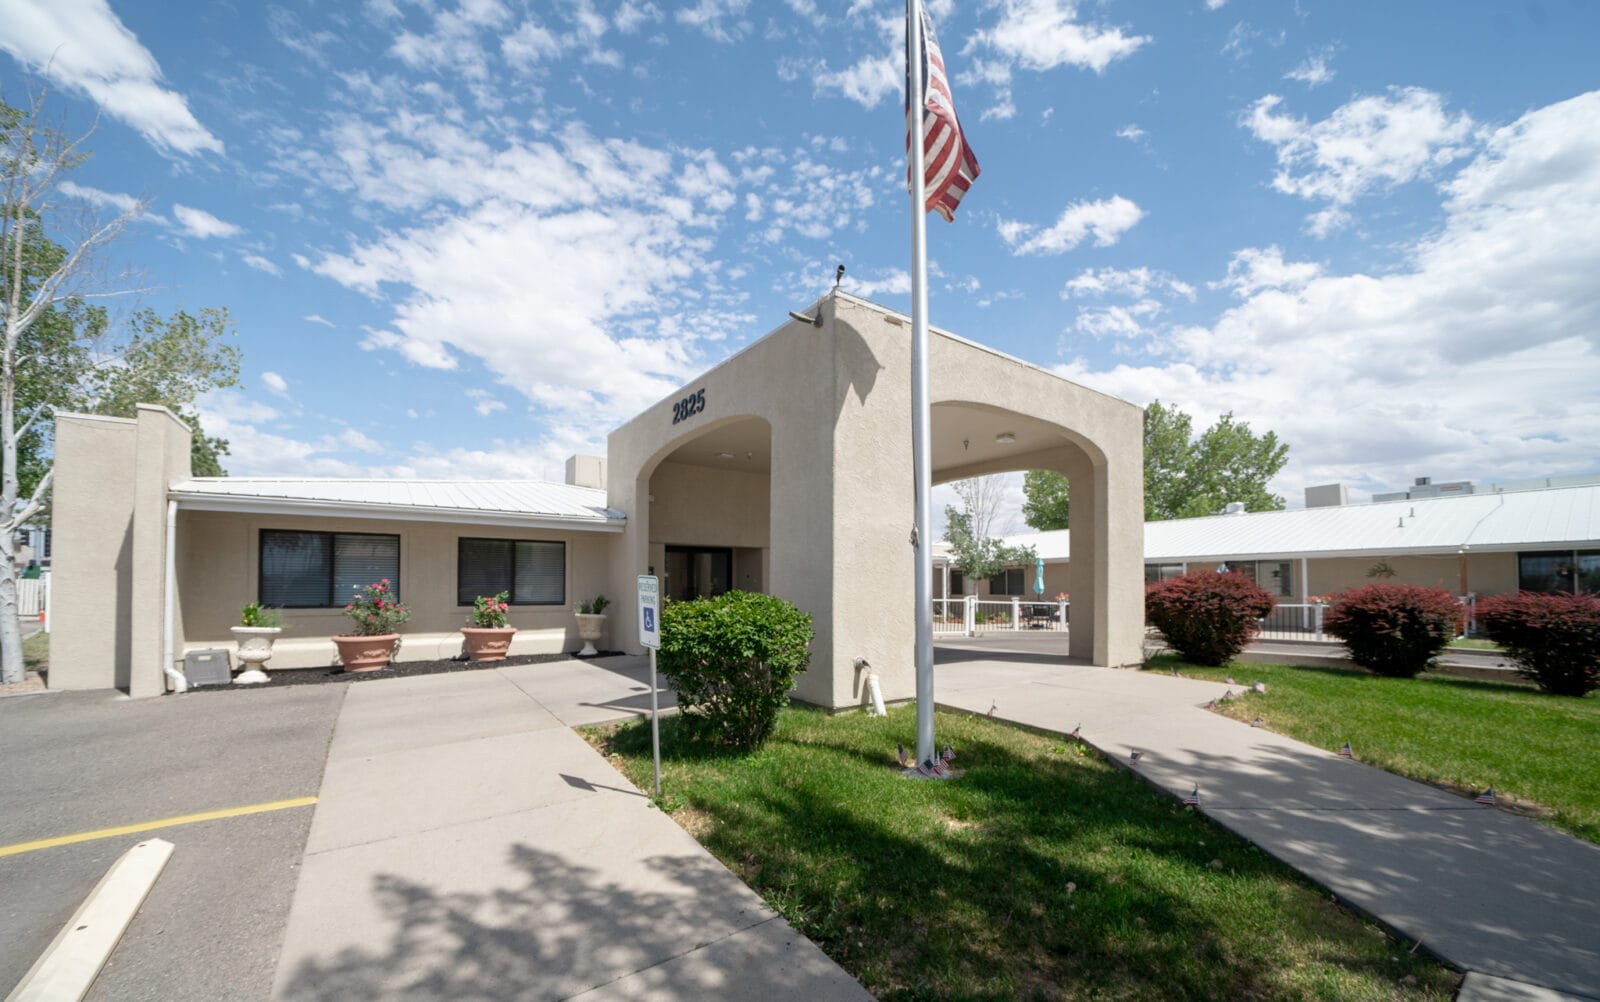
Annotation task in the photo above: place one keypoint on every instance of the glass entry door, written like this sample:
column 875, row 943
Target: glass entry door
column 698, row 572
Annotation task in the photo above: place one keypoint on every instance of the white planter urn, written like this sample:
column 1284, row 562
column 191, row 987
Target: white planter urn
column 255, row 649
column 590, row 627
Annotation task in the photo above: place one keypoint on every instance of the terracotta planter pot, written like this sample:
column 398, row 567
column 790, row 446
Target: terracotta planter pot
column 358, row 653
column 488, row 643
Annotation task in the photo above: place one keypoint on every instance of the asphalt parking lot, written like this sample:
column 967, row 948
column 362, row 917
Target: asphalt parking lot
column 84, row 761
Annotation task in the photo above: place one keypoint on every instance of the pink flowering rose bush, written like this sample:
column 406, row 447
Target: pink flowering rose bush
column 376, row 611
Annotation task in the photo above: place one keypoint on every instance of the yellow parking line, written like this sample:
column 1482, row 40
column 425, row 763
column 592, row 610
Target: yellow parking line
column 184, row 819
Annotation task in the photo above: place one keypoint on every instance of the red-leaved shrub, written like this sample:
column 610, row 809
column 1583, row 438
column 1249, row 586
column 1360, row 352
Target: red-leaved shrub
column 1554, row 639
column 1207, row 617
column 1395, row 630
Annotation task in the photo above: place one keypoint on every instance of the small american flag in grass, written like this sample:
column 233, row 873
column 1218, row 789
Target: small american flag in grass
column 1486, row 797
column 1347, row 751
column 1193, row 799
column 926, row 769
column 1135, row 757
column 905, row 760
column 949, row 754
column 1256, row 722
column 1077, row 732
column 1260, row 687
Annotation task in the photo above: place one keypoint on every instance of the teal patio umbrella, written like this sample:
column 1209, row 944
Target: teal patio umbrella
column 1038, row 575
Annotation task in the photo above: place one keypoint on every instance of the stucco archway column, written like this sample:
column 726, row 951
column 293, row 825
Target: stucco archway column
column 1107, row 564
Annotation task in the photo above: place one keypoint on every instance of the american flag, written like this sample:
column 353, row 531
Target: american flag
column 1193, row 799
column 949, row 168
column 1347, row 751
column 1260, row 687
column 926, row 769
column 1134, row 757
column 1256, row 722
column 1077, row 732
column 905, row 760
column 949, row 753
column 1486, row 797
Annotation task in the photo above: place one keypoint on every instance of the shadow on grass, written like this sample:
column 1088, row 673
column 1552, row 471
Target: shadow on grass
column 1040, row 873
column 1164, row 663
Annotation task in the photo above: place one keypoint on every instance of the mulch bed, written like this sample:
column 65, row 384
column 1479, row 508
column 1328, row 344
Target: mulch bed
column 334, row 674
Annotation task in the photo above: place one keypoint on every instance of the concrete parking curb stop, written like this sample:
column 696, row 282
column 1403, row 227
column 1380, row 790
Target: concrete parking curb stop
column 71, row 963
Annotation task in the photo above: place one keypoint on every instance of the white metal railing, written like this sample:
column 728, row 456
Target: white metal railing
column 30, row 595
column 970, row 616
column 1293, row 621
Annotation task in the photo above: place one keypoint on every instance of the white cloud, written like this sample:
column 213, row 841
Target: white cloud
column 275, row 384
column 1314, row 70
column 1475, row 358
column 719, row 19
column 867, row 82
column 202, row 225
column 82, row 45
column 1116, row 321
column 1044, row 34
column 317, row 318
column 1136, row 283
column 484, row 402
column 893, row 281
column 260, row 263
column 1255, row 269
column 457, row 40
column 1370, row 143
column 123, row 203
column 1130, row 132
column 1105, row 220
column 525, row 276
column 1215, row 4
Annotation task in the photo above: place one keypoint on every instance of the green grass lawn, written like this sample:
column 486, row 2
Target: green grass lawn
column 1044, row 872
column 36, row 650
column 1474, row 644
column 1542, row 751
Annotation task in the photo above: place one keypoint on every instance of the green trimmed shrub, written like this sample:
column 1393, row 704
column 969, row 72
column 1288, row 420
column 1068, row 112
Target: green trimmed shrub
column 733, row 660
column 1394, row 630
column 1554, row 639
column 1209, row 618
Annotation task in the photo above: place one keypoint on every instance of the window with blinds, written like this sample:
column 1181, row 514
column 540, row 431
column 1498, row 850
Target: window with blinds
column 323, row 570
column 530, row 572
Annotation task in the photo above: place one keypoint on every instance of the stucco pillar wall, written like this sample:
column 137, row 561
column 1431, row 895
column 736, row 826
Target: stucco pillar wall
column 161, row 457
column 1085, row 533
column 874, row 564
column 92, row 563
column 786, row 380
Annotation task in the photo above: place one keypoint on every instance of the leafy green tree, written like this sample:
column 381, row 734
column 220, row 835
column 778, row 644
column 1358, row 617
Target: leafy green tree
column 58, row 351
column 1184, row 476
column 980, row 556
column 1044, row 504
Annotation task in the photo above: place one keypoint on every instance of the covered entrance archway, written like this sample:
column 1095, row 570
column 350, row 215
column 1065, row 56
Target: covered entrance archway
column 796, row 457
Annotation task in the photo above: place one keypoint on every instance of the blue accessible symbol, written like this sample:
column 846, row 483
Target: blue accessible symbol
column 649, row 619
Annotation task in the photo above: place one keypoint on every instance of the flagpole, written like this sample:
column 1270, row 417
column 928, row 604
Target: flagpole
column 921, row 423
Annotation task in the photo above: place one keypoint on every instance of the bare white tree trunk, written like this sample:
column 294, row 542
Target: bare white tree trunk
column 982, row 499
column 34, row 157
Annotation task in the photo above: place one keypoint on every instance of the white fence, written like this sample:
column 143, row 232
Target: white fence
column 31, row 595
column 1304, row 621
column 970, row 616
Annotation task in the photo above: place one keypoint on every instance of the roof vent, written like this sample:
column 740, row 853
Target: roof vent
column 1233, row 508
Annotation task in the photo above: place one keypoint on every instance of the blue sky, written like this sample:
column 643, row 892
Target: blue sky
column 470, row 238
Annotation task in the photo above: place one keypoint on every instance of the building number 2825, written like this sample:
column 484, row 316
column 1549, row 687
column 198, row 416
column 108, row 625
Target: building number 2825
column 689, row 406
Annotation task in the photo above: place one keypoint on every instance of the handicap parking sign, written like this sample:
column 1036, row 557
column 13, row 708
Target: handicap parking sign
column 649, row 611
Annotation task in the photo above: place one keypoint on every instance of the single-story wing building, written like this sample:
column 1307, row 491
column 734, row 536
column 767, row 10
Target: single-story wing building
column 786, row 469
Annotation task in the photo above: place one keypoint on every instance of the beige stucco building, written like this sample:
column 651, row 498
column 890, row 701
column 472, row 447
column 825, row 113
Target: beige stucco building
column 786, row 469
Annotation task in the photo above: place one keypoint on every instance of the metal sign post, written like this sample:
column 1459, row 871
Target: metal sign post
column 650, row 637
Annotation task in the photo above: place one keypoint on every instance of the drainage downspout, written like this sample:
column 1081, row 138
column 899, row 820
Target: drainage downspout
column 180, row 683
column 873, row 689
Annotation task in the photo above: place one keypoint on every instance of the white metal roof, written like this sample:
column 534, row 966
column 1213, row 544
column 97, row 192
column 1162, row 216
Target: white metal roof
column 531, row 503
column 1555, row 518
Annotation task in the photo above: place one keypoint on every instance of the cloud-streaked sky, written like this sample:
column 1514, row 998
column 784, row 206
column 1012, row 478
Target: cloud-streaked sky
column 469, row 237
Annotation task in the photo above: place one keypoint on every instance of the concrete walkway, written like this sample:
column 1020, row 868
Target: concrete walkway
column 1513, row 902
column 468, row 844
